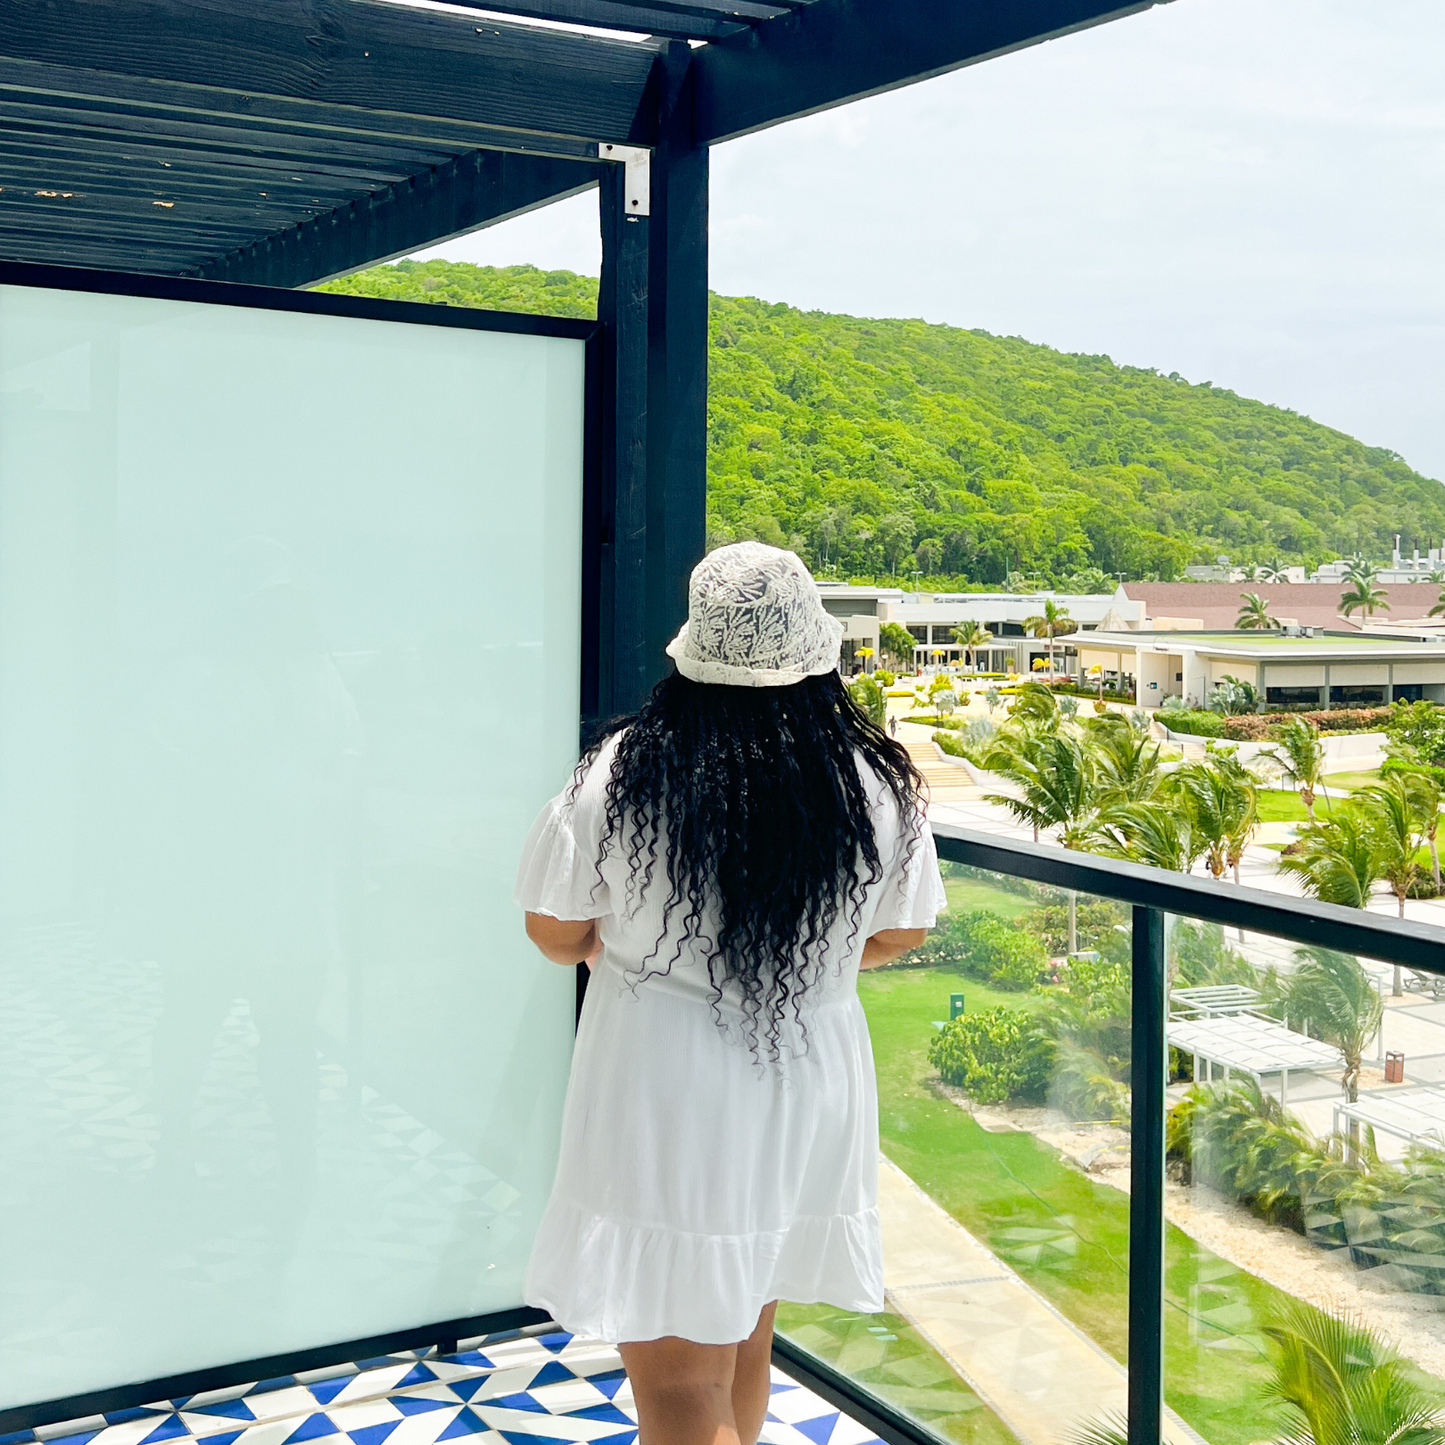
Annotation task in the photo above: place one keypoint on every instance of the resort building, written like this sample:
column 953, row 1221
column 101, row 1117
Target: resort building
column 932, row 617
column 1317, row 669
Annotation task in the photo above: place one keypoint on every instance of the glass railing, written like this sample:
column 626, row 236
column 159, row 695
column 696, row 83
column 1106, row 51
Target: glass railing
column 1149, row 1140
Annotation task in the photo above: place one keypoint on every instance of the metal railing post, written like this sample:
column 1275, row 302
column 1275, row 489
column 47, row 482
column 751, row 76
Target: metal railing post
column 1146, row 1186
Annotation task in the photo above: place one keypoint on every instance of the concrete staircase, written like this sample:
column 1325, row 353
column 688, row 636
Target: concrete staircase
column 947, row 782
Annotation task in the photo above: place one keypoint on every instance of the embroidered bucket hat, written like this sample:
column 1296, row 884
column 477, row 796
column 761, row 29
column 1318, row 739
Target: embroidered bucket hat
column 754, row 619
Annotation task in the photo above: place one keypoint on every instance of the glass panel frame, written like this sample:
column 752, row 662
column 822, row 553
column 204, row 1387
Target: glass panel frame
column 521, row 1088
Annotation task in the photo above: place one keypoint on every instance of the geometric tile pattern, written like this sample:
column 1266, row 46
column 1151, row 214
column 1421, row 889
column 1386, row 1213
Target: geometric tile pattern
column 549, row 1389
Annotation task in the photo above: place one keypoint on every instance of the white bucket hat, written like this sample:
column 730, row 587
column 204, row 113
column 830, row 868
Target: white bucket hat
column 754, row 619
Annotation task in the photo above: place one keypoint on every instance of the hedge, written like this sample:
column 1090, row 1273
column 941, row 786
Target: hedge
column 986, row 947
column 1259, row 727
column 1194, row 722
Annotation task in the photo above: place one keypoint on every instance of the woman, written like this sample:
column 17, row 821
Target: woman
column 725, row 860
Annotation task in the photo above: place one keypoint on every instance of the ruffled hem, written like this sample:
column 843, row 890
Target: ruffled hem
column 622, row 1282
column 555, row 876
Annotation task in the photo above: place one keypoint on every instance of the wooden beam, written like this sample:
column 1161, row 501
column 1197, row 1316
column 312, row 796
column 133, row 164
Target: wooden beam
column 835, row 51
column 622, row 311
column 360, row 54
column 475, row 190
column 677, row 356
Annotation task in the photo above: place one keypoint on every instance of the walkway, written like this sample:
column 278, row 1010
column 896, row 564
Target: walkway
column 1038, row 1372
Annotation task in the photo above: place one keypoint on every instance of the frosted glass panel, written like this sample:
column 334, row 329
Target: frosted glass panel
column 289, row 657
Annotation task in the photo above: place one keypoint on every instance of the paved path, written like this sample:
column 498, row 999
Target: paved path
column 1038, row 1372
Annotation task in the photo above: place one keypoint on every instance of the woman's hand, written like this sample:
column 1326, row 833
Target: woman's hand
column 883, row 947
column 562, row 941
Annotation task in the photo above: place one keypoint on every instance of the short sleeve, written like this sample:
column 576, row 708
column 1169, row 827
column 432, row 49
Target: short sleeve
column 912, row 895
column 556, row 876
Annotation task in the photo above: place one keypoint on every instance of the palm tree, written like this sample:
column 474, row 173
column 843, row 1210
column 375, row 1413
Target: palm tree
column 1338, row 860
column 1336, row 999
column 1427, row 796
column 1241, row 810
column 1126, row 758
column 1439, row 606
column 1341, row 1384
column 1199, row 791
column 1155, row 831
column 1220, row 797
column 971, row 636
column 1363, row 596
column 1393, row 810
column 1053, row 622
column 1300, row 757
column 1254, row 615
column 1054, row 773
column 1035, row 706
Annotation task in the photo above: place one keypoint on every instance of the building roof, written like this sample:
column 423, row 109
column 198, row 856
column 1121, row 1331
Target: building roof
column 1272, row 645
column 1310, row 604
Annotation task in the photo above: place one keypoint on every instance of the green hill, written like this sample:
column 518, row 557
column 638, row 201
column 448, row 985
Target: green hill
column 877, row 448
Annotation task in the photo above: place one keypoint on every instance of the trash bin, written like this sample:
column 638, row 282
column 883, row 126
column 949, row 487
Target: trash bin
column 1394, row 1068
column 955, row 1006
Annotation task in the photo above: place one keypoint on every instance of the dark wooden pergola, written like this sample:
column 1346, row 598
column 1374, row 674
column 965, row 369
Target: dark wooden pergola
column 281, row 142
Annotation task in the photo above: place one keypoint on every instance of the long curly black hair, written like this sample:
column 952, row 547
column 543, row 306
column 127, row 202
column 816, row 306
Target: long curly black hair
column 753, row 799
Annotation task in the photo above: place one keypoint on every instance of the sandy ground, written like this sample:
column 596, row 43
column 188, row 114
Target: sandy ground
column 1414, row 1324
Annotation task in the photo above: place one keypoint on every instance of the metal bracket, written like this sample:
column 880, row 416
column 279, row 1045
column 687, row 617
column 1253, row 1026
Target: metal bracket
column 637, row 163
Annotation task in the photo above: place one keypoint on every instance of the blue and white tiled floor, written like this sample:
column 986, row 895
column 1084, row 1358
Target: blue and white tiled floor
column 550, row 1389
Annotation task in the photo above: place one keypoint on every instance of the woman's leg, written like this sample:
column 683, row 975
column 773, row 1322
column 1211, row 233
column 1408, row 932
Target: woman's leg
column 683, row 1391
column 752, row 1378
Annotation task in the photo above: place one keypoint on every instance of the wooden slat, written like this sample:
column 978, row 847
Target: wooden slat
column 41, row 123
column 357, row 53
column 93, row 162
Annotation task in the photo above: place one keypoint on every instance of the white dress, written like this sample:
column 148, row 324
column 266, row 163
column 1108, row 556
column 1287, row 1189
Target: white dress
column 696, row 1184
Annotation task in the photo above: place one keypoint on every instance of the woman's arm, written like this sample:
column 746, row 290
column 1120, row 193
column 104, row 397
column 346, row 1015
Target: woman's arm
column 562, row 941
column 891, row 943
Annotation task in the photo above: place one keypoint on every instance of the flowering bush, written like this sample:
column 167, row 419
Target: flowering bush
column 1257, row 727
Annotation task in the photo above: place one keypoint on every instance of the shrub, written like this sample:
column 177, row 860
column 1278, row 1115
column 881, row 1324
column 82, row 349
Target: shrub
column 1195, row 722
column 994, row 1056
column 883, row 677
column 1422, row 726
column 986, row 947
column 869, row 696
column 952, row 744
column 1096, row 920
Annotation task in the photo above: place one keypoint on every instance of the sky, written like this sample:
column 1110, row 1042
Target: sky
column 1248, row 192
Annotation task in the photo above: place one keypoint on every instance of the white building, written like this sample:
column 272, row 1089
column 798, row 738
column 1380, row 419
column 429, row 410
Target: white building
column 931, row 618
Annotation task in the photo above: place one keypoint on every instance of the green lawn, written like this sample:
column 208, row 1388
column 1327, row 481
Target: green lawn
column 1285, row 807
column 1348, row 782
column 1064, row 1233
column 966, row 894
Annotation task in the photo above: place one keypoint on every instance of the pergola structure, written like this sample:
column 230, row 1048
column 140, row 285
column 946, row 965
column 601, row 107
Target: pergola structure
column 281, row 142
column 1415, row 1115
column 1250, row 1044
